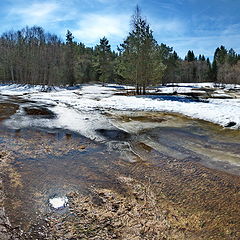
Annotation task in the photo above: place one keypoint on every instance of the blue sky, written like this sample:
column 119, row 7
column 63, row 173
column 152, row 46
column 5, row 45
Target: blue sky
column 198, row 25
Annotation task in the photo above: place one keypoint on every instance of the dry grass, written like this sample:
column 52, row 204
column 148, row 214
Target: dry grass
column 107, row 214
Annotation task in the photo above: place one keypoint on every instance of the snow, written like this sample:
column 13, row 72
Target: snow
column 216, row 111
column 84, row 109
column 19, row 89
column 58, row 202
column 82, row 122
column 193, row 87
column 207, row 85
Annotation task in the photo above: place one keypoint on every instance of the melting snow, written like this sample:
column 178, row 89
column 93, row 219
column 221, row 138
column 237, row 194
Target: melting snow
column 83, row 109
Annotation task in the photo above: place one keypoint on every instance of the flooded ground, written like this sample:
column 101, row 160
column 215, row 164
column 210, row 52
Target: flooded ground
column 191, row 168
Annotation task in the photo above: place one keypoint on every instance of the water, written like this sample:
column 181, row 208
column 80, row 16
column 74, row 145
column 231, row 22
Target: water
column 48, row 163
column 172, row 98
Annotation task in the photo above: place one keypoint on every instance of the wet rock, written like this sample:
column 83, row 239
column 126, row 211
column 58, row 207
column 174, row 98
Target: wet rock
column 230, row 124
column 114, row 134
column 39, row 111
column 82, row 147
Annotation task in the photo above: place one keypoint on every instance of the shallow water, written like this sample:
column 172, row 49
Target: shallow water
column 51, row 162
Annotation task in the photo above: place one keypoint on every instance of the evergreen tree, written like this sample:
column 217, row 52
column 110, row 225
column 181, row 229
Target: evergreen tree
column 175, row 56
column 190, row 56
column 140, row 60
column 209, row 71
column 70, row 56
column 232, row 57
column 69, row 38
column 220, row 55
column 214, row 71
column 104, row 60
column 170, row 60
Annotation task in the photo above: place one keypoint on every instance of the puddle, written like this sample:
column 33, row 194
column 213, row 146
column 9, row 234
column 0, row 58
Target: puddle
column 170, row 98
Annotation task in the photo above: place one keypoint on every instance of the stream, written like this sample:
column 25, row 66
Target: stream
column 48, row 162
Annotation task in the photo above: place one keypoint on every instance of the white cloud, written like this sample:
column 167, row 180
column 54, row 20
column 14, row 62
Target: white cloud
column 168, row 27
column 94, row 26
column 36, row 13
column 39, row 10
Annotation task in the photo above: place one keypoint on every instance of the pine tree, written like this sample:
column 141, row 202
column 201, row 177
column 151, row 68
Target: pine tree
column 70, row 55
column 139, row 58
column 209, row 71
column 69, row 38
column 190, row 56
column 214, row 71
column 232, row 57
column 170, row 60
column 104, row 60
column 220, row 55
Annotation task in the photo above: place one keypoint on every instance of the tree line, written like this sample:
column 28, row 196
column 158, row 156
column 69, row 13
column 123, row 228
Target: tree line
column 33, row 56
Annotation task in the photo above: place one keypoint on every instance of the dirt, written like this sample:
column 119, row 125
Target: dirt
column 39, row 111
column 7, row 109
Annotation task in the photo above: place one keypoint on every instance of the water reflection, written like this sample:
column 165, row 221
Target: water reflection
column 58, row 202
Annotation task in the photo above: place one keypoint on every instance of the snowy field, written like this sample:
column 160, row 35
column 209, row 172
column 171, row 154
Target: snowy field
column 89, row 102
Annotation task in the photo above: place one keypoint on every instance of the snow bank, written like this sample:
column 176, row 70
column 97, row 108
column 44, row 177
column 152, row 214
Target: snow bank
column 193, row 87
column 217, row 111
column 19, row 89
column 74, row 107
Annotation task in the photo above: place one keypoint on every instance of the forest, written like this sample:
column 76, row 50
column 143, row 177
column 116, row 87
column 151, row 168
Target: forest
column 33, row 56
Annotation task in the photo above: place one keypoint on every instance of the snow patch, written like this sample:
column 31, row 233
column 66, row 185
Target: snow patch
column 58, row 202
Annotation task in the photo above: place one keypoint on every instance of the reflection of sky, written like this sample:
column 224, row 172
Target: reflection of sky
column 58, row 202
column 201, row 26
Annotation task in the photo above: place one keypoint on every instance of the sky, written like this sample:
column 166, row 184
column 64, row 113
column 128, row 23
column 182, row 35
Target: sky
column 198, row 25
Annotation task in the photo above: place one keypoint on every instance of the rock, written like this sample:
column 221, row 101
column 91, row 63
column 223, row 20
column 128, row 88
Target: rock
column 230, row 124
column 82, row 147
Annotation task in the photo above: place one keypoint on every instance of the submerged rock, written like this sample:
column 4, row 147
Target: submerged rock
column 114, row 134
